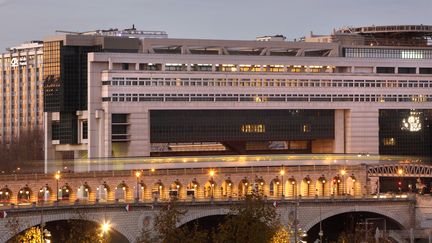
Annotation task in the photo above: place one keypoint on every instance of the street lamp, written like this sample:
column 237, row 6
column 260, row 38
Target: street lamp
column 105, row 228
column 57, row 177
column 212, row 173
column 323, row 181
column 400, row 173
column 343, row 172
column 308, row 181
column 212, row 183
column 137, row 175
column 282, row 173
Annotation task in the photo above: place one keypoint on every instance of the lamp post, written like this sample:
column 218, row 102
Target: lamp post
column 211, row 174
column 57, row 177
column 137, row 175
column 400, row 172
column 282, row 173
column 321, row 233
column 343, row 172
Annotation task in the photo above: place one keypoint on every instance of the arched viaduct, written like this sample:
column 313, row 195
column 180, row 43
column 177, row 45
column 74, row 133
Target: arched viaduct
column 129, row 224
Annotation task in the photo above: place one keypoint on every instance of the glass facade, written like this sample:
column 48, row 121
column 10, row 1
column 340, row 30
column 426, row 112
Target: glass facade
column 52, row 75
column 387, row 53
column 405, row 132
column 65, row 85
column 170, row 126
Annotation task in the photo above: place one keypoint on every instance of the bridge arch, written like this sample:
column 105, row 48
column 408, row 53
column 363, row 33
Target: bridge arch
column 334, row 212
column 35, row 221
column 197, row 214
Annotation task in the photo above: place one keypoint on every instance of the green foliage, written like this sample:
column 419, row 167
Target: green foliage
column 166, row 227
column 80, row 229
column 253, row 221
column 32, row 235
column 281, row 236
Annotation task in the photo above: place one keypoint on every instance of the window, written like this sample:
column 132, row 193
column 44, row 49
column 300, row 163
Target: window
column 425, row 70
column 385, row 70
column 119, row 127
column 389, row 141
column 409, row 70
column 84, row 130
column 253, row 128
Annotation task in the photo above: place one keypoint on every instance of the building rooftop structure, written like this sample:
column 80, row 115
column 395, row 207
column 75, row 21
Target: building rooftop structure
column 385, row 35
column 131, row 33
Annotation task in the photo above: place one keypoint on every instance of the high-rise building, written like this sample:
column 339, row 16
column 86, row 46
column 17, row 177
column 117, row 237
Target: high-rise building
column 21, row 90
column 366, row 90
column 65, row 79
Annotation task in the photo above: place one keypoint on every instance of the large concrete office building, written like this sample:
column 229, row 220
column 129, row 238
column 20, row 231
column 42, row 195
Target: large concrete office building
column 359, row 90
column 21, row 90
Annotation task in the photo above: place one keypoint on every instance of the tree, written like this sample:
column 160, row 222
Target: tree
column 22, row 151
column 80, row 229
column 281, row 236
column 165, row 226
column 253, row 221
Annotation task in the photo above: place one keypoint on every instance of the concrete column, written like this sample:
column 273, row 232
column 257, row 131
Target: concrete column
column 110, row 64
column 139, row 131
column 107, row 131
column 339, row 123
column 100, row 133
column 362, row 131
column 49, row 153
column 95, row 109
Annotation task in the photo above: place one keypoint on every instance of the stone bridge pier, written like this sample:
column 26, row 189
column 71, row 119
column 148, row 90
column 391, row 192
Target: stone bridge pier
column 129, row 224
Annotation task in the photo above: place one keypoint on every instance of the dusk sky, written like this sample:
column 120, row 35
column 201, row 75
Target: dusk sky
column 24, row 20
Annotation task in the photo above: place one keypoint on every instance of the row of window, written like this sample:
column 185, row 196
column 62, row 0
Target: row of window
column 387, row 53
column 228, row 67
column 268, row 97
column 258, row 82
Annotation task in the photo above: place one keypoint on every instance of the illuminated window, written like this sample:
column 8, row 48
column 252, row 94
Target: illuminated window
column 276, row 68
column 306, row 128
column 253, row 128
column 260, row 99
column 226, row 68
column 419, row 98
column 296, row 69
column 389, row 142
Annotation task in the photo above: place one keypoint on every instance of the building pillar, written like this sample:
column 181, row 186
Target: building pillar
column 107, row 131
column 49, row 153
column 139, row 131
column 362, row 131
column 110, row 64
column 339, row 129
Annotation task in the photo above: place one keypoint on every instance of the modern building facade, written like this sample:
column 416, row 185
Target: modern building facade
column 190, row 96
column 21, row 90
column 65, row 78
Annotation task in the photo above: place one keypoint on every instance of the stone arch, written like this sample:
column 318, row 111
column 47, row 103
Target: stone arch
column 201, row 214
column 342, row 210
column 98, row 219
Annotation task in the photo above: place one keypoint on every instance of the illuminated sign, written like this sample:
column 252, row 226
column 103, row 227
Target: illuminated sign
column 412, row 123
column 15, row 62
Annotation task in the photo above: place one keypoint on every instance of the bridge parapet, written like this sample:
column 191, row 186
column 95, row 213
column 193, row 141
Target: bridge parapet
column 185, row 184
column 400, row 169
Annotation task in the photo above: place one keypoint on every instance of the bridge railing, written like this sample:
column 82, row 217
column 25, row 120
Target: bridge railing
column 331, row 199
